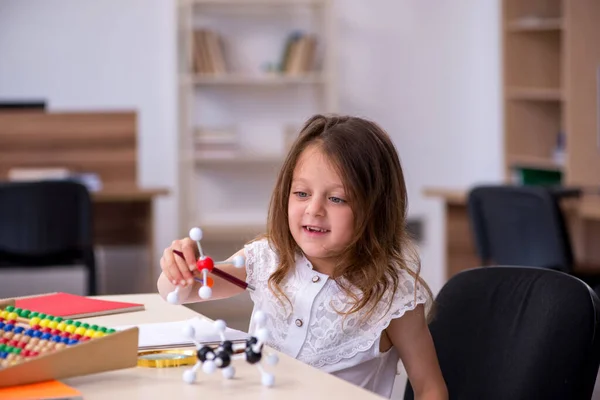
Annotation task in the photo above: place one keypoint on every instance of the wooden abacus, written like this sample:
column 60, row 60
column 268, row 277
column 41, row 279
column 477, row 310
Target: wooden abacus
column 37, row 347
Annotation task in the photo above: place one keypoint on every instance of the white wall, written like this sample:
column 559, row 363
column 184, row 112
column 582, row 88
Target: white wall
column 428, row 71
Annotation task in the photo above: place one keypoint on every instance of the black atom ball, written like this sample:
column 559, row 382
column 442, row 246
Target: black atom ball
column 251, row 356
column 203, row 353
column 225, row 359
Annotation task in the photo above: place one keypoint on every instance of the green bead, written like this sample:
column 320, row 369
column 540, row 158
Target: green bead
column 2, row 347
column 94, row 327
column 69, row 322
column 50, row 318
column 58, row 319
column 25, row 313
column 86, row 325
column 10, row 308
column 110, row 330
column 17, row 350
column 42, row 316
column 18, row 310
column 34, row 314
column 77, row 324
column 103, row 329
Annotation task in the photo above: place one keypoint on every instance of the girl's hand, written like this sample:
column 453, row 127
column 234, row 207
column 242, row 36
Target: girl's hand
column 177, row 269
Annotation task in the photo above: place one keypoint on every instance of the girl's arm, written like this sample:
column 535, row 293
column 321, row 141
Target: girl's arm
column 175, row 268
column 411, row 337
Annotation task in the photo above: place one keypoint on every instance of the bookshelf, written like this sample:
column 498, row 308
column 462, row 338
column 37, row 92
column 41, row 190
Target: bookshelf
column 550, row 79
column 250, row 73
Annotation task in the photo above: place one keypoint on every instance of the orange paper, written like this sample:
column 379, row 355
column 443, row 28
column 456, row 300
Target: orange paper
column 42, row 391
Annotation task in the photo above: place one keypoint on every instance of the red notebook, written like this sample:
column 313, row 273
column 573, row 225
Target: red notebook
column 73, row 306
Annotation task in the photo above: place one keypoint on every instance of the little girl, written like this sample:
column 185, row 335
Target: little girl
column 335, row 273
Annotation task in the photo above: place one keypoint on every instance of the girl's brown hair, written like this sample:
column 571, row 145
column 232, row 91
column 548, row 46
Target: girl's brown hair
column 370, row 169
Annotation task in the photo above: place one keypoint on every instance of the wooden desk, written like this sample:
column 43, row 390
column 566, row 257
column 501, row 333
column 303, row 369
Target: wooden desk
column 294, row 380
column 583, row 218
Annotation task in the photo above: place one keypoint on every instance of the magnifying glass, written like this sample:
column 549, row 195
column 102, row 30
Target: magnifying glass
column 166, row 358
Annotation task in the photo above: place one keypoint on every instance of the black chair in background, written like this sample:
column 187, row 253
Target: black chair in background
column 516, row 333
column 44, row 224
column 523, row 226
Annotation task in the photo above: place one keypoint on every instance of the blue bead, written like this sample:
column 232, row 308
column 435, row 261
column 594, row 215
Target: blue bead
column 65, row 340
column 73, row 341
column 2, row 325
column 37, row 334
column 8, row 327
column 19, row 329
column 30, row 332
column 3, row 354
column 56, row 338
column 46, row 336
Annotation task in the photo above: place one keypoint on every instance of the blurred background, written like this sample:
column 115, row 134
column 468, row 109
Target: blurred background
column 177, row 114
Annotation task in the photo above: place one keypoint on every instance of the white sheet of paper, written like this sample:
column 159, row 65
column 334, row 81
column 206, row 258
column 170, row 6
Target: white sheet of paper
column 171, row 334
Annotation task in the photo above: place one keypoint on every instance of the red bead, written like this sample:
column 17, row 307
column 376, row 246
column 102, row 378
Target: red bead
column 205, row 263
column 47, row 330
column 65, row 334
column 21, row 345
column 25, row 353
column 76, row 337
column 13, row 343
column 3, row 340
column 36, row 327
column 55, row 332
column 84, row 338
column 12, row 322
column 34, row 354
column 1, row 319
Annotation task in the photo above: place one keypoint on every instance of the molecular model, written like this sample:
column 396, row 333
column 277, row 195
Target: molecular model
column 205, row 265
column 225, row 353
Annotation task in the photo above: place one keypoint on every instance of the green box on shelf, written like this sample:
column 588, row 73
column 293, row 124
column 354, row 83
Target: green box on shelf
column 533, row 176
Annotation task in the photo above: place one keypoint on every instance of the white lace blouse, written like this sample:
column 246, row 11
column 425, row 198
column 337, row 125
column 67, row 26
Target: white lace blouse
column 311, row 331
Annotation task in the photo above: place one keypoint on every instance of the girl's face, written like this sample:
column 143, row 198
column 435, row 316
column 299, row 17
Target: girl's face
column 320, row 219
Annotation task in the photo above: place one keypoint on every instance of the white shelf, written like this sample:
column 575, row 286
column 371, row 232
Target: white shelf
column 274, row 3
column 235, row 97
column 241, row 160
column 255, row 80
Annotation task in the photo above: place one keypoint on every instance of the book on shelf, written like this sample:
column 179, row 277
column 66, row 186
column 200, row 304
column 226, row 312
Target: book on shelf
column 215, row 136
column 207, row 52
column 299, row 54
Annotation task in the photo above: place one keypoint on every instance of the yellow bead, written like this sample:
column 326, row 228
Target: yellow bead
column 34, row 321
column 4, row 314
column 98, row 334
column 44, row 323
column 61, row 326
column 80, row 331
column 12, row 316
column 70, row 328
column 89, row 333
column 52, row 324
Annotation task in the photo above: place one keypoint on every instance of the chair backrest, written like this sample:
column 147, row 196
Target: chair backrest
column 519, row 225
column 517, row 333
column 44, row 218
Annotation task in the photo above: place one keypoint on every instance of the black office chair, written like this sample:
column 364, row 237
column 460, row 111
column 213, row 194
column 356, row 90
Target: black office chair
column 516, row 333
column 45, row 224
column 524, row 226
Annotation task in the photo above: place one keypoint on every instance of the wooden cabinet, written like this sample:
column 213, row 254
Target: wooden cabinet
column 582, row 69
column 550, row 66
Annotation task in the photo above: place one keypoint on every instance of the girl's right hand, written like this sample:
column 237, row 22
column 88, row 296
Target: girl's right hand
column 177, row 269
